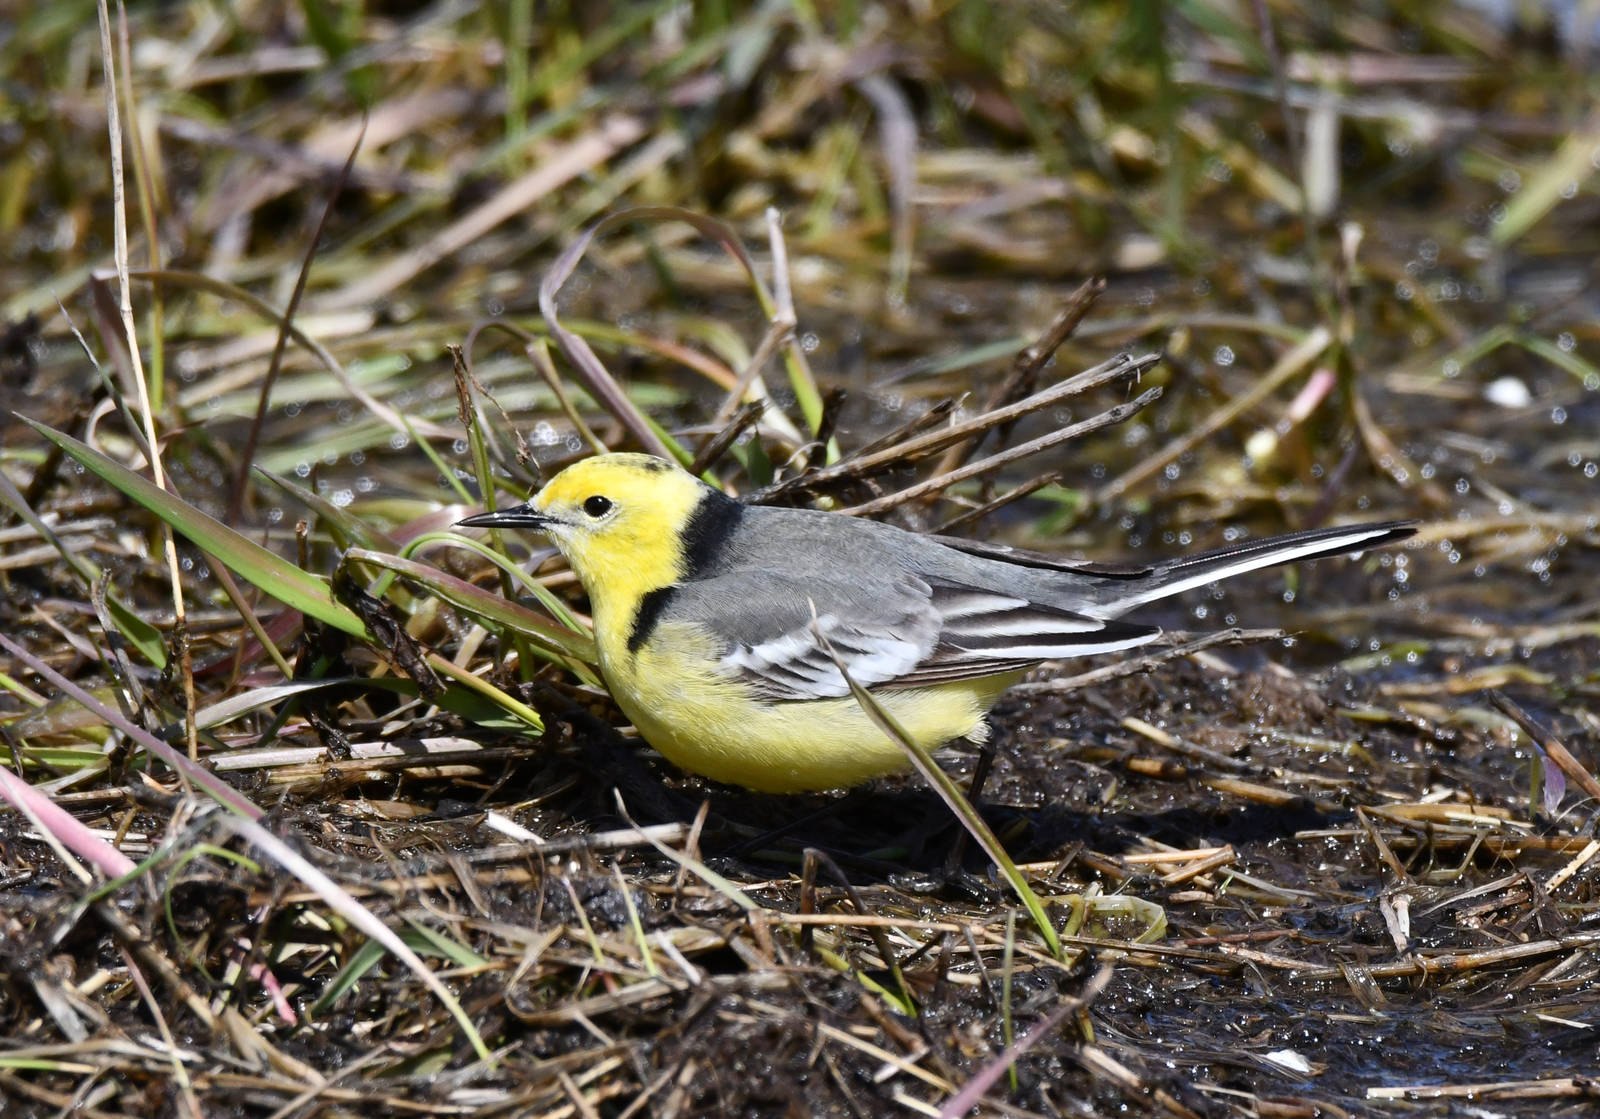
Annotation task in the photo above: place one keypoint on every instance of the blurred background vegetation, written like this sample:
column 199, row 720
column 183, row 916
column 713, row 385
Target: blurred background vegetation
column 1364, row 237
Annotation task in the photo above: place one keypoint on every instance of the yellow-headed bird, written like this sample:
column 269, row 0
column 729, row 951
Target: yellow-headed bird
column 706, row 612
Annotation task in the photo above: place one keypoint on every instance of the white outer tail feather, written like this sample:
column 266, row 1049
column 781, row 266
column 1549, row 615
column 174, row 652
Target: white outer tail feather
column 1155, row 587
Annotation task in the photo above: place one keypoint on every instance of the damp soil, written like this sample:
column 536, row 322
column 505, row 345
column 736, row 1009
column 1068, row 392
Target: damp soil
column 1343, row 863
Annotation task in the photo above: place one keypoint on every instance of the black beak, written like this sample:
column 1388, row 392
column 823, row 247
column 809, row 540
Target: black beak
column 518, row 516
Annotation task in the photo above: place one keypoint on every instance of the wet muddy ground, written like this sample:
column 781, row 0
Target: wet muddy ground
column 1347, row 867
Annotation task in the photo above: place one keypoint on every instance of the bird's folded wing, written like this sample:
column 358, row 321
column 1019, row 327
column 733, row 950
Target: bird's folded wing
column 983, row 633
column 880, row 627
column 888, row 632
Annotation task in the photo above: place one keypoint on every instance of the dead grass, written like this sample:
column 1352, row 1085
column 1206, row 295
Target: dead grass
column 1363, row 247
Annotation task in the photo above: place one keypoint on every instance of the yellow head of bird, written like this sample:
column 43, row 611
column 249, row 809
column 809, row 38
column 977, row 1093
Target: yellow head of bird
column 618, row 518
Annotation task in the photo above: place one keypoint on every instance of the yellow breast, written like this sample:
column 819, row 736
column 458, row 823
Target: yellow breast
column 708, row 723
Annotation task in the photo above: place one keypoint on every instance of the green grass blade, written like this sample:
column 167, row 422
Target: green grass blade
column 264, row 570
column 954, row 798
column 345, row 527
column 139, row 633
column 491, row 607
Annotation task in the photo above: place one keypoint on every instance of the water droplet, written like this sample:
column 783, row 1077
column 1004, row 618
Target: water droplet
column 1508, row 392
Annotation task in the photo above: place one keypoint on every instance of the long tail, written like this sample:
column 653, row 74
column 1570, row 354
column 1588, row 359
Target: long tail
column 1118, row 595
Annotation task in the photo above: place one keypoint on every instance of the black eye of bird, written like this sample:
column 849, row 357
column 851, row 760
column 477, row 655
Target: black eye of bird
column 597, row 506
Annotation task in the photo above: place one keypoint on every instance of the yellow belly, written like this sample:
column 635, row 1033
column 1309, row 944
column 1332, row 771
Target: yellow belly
column 708, row 724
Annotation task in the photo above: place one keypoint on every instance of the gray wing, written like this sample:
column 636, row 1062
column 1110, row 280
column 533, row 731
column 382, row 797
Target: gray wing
column 890, row 631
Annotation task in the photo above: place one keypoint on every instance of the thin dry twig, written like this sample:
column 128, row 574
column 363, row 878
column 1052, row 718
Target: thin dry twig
column 1028, row 363
column 919, row 446
column 940, row 482
column 247, row 456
